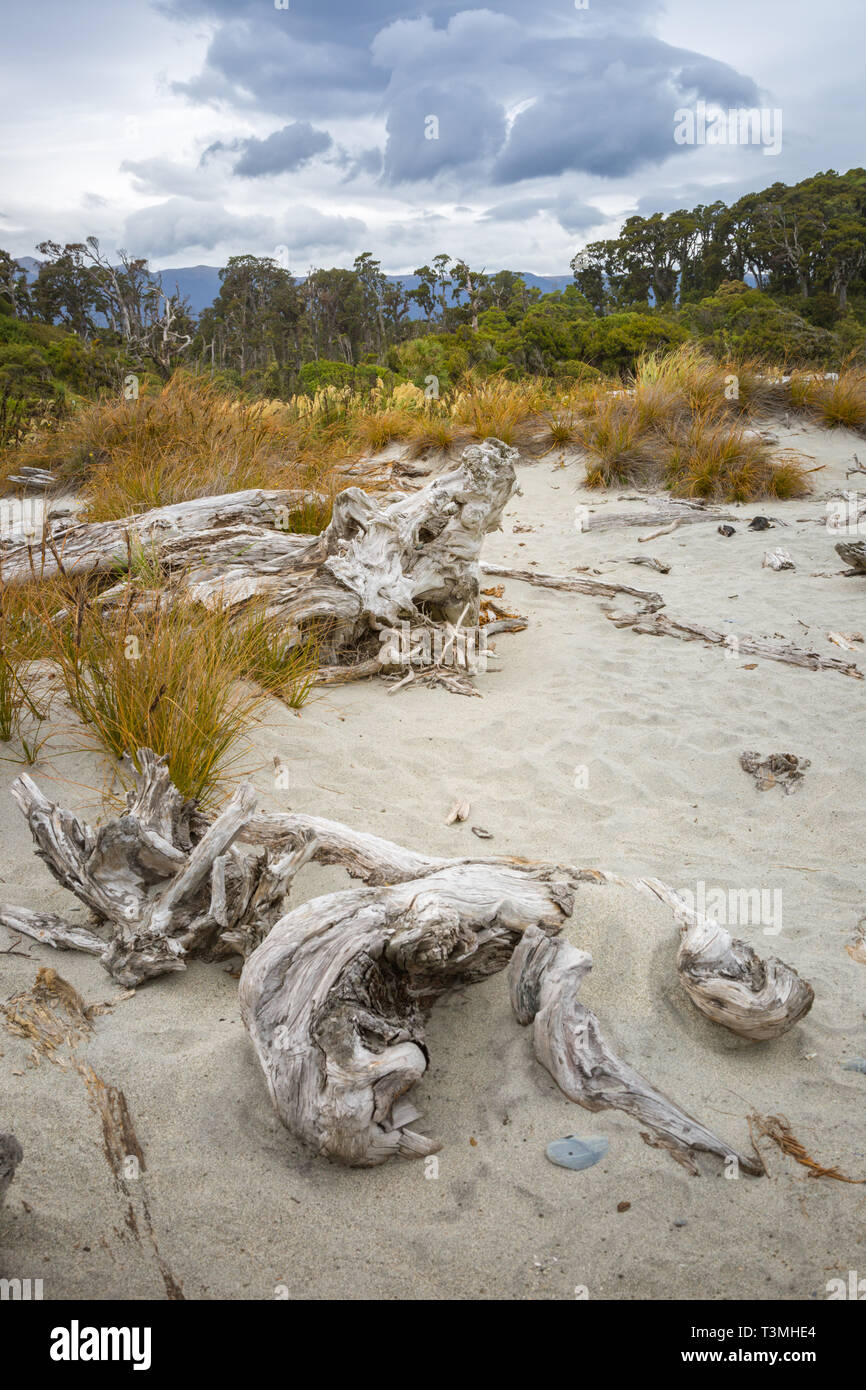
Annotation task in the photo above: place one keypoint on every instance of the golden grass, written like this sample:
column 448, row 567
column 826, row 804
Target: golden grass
column 24, row 705
column 186, row 440
column 719, row 461
column 658, row 435
column 498, row 408
column 176, row 677
column 610, row 432
column 839, row 403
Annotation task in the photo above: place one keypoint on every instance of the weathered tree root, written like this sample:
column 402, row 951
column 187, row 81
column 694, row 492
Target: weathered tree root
column 11, row 1155
column 379, row 561
column 335, row 998
column 726, row 979
column 166, row 883
column 544, row 981
column 335, row 993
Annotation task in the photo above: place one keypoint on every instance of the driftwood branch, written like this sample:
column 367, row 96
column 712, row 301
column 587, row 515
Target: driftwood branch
column 660, row 625
column 574, row 584
column 544, row 978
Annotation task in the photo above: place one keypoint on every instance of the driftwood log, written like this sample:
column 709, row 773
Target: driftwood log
column 854, row 554
column 544, row 980
column 11, row 1155
column 654, row 624
column 167, row 884
column 378, row 562
column 335, row 998
column 335, row 993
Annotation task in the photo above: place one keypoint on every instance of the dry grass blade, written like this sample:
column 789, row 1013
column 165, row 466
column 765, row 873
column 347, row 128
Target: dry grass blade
column 777, row 1128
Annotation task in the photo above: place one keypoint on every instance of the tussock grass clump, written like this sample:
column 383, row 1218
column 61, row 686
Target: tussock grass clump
column 432, row 431
column 561, row 428
column 618, row 445
column 498, row 408
column 280, row 663
column 719, row 461
column 186, row 440
column 683, row 425
column 168, row 678
column 835, row 403
column 184, row 680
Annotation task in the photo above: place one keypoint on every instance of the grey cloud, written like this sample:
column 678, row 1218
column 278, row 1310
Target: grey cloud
column 368, row 162
column 181, row 224
column 434, row 128
column 164, row 229
column 571, row 214
column 282, row 152
column 613, row 112
column 161, row 177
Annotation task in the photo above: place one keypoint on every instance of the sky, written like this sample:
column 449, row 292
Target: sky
column 508, row 135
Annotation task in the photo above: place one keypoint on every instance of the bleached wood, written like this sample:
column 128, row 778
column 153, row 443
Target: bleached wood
column 165, row 883
column 336, row 996
column 755, row 998
column 661, row 625
column 854, row 554
column 544, row 979
column 103, row 546
column 575, row 585
column 724, row 977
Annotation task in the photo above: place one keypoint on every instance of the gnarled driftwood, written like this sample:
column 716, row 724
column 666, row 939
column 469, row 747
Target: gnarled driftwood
column 544, row 979
column 166, row 883
column 335, row 998
column 379, row 561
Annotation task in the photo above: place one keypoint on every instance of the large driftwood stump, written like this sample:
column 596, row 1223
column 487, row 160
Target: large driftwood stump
column 166, row 884
column 11, row 1155
column 545, row 978
column 379, row 561
column 335, row 998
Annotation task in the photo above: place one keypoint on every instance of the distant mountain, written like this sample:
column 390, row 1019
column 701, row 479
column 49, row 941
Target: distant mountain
column 200, row 284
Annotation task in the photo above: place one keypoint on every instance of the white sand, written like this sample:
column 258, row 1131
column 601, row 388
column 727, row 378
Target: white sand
column 239, row 1207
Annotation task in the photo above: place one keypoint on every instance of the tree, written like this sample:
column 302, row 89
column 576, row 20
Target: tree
column 14, row 290
column 471, row 283
column 68, row 288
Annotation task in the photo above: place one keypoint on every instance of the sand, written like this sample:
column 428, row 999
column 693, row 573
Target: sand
column 240, row 1210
